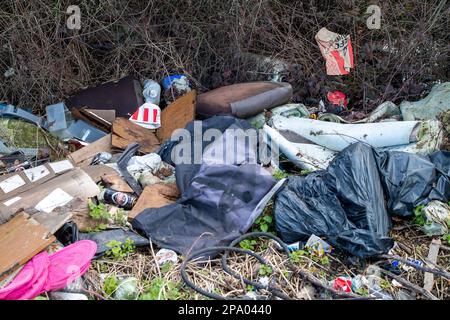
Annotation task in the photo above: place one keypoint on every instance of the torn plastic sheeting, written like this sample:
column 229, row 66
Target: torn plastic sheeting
column 344, row 203
column 337, row 136
column 431, row 106
column 301, row 158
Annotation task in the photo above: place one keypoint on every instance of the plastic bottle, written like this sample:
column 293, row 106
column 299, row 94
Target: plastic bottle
column 152, row 91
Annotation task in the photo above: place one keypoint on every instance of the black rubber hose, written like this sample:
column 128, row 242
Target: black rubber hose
column 201, row 252
column 231, row 247
column 257, row 285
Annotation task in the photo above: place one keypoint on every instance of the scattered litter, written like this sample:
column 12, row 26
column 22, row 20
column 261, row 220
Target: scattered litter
column 337, row 51
column 164, row 255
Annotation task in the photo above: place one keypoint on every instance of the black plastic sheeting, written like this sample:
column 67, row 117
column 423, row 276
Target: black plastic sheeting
column 346, row 203
column 219, row 202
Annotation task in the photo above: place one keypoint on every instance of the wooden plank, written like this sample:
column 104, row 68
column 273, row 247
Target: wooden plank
column 126, row 132
column 97, row 172
column 84, row 156
column 428, row 280
column 177, row 115
column 52, row 221
column 155, row 196
column 20, row 240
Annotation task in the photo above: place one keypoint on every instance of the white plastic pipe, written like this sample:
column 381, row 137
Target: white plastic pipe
column 300, row 158
column 337, row 136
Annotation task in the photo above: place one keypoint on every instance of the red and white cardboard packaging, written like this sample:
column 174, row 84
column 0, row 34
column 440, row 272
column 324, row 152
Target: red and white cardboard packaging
column 148, row 116
column 337, row 50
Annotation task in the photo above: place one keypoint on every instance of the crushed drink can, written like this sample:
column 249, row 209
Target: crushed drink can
column 318, row 246
column 117, row 198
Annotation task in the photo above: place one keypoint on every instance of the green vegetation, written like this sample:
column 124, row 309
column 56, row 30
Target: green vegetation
column 118, row 250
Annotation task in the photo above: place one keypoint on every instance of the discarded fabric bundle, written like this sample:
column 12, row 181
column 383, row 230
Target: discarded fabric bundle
column 346, row 202
column 219, row 201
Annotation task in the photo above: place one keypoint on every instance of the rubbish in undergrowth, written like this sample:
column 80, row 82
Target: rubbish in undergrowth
column 243, row 100
column 102, row 238
column 165, row 255
column 123, row 96
column 433, row 253
column 338, row 102
column 167, row 81
column 397, row 264
column 127, row 289
column 101, row 158
column 430, row 107
column 292, row 246
column 318, row 246
column 176, row 86
column 437, row 216
column 373, row 283
column 349, row 212
column 337, row 51
column 120, row 199
column 59, row 295
column 148, row 116
column 122, row 163
column 273, row 68
column 219, row 202
column 342, row 284
column 150, row 169
column 50, row 272
column 151, row 92
column 10, row 111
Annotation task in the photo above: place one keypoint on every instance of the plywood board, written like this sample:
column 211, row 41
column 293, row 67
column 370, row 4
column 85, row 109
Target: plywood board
column 177, row 115
column 84, row 156
column 21, row 239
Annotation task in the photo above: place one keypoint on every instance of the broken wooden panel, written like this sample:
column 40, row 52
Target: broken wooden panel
column 155, row 196
column 177, row 115
column 20, row 240
column 18, row 182
column 53, row 193
column 97, row 172
column 115, row 182
column 126, row 132
column 83, row 157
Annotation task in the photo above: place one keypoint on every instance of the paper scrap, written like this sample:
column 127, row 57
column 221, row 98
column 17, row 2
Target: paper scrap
column 11, row 183
column 56, row 198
